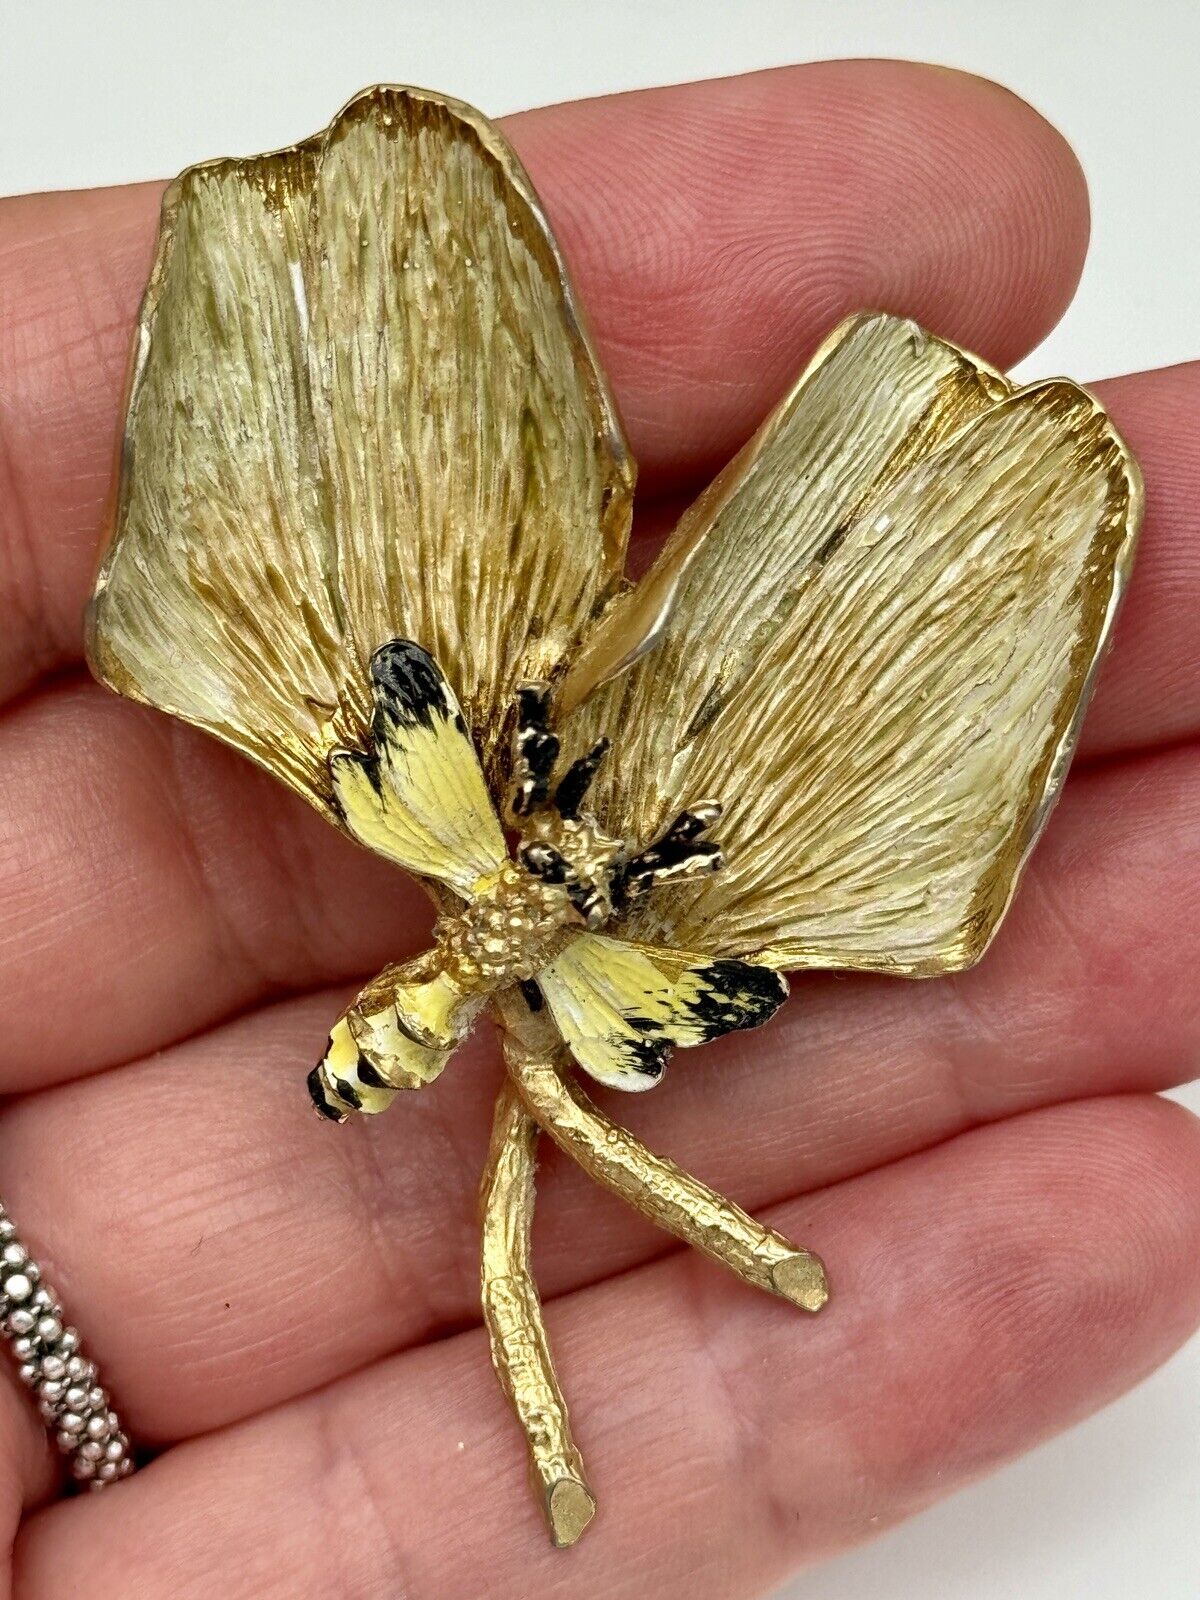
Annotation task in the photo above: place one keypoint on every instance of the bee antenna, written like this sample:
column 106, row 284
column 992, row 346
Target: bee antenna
column 545, row 862
column 577, row 780
column 679, row 854
column 535, row 750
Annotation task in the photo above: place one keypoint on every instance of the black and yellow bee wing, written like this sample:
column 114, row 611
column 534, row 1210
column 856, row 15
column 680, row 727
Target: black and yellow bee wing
column 361, row 407
column 419, row 797
column 872, row 640
column 620, row 1006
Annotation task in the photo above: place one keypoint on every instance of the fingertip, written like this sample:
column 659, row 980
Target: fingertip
column 1037, row 192
column 1081, row 1272
column 719, row 230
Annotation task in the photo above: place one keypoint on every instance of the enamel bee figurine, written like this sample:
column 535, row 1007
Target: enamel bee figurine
column 420, row 799
column 370, row 529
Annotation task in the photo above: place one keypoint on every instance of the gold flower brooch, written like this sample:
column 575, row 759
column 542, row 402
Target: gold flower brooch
column 370, row 530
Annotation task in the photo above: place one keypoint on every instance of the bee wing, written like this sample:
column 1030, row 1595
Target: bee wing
column 361, row 407
column 420, row 798
column 621, row 1006
column 875, row 637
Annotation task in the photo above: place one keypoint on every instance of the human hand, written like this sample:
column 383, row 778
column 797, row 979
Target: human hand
column 288, row 1311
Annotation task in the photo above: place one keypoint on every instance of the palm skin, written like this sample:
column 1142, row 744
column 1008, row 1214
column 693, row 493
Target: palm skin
column 287, row 1312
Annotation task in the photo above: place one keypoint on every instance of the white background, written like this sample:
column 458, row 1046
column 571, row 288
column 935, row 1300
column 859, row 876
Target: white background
column 94, row 94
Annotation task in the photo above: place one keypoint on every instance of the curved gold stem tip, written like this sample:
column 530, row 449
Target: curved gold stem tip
column 569, row 1509
column 801, row 1279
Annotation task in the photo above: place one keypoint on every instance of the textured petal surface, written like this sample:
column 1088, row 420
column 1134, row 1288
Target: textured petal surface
column 419, row 798
column 361, row 407
column 878, row 394
column 885, row 624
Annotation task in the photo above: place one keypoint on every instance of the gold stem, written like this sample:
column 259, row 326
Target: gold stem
column 660, row 1190
column 513, row 1314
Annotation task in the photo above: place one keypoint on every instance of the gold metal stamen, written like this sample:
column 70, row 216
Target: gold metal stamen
column 513, row 1314
column 664, row 1193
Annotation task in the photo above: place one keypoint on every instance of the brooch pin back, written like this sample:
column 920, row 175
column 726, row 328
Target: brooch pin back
column 370, row 530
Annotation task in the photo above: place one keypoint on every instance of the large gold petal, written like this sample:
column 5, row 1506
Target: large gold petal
column 877, row 659
column 217, row 598
column 477, row 475
column 361, row 406
column 878, row 394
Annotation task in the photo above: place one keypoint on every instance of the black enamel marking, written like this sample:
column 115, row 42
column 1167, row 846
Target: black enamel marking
column 691, row 824
column 668, row 862
column 316, row 1091
column 533, row 995
column 588, row 901
column 368, row 1075
column 346, row 1091
column 647, row 1056
column 409, row 686
column 536, row 749
column 687, row 826
column 577, row 780
column 539, row 752
column 533, row 706
column 545, row 862
column 679, row 852
column 736, row 995
column 675, row 856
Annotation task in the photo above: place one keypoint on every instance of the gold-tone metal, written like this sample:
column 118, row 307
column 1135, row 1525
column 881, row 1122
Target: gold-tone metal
column 513, row 1315
column 370, row 530
column 876, row 636
column 359, row 376
column 666, row 1195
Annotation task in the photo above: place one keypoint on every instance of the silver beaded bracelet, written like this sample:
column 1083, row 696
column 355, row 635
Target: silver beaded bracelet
column 75, row 1407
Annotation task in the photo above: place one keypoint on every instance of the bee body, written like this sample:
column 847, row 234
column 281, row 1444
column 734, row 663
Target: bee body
column 419, row 795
